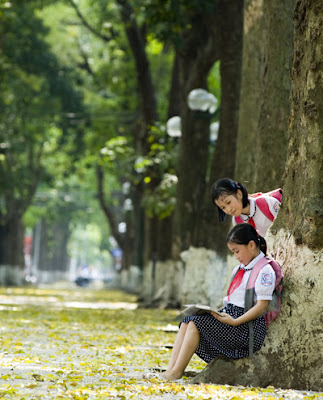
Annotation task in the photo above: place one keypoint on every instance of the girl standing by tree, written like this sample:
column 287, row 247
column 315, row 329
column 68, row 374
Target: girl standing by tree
column 259, row 210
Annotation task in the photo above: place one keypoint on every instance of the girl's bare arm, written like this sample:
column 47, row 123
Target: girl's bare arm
column 256, row 311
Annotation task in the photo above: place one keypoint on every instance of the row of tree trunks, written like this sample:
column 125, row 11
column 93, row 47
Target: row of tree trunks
column 195, row 61
column 208, row 232
column 290, row 357
column 195, row 212
column 302, row 207
column 251, row 91
column 271, row 144
column 54, row 236
column 11, row 242
column 264, row 110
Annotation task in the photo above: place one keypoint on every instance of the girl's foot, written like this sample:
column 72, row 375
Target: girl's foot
column 171, row 376
column 150, row 375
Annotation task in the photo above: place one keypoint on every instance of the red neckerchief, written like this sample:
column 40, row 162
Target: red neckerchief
column 236, row 281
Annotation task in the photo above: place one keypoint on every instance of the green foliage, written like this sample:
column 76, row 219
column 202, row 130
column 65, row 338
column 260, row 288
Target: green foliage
column 117, row 153
column 214, row 82
column 161, row 202
column 36, row 98
column 159, row 167
column 69, row 100
column 169, row 19
column 104, row 69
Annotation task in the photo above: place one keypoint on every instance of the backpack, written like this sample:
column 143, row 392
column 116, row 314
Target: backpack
column 263, row 205
column 274, row 306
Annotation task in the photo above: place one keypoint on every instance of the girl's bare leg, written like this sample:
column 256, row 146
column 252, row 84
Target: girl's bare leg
column 177, row 346
column 189, row 344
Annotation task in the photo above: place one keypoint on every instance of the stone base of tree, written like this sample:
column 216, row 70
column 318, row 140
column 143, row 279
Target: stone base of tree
column 265, row 368
column 161, row 284
column 246, row 372
column 291, row 356
column 11, row 275
column 201, row 277
column 46, row 277
column 130, row 280
column 205, row 277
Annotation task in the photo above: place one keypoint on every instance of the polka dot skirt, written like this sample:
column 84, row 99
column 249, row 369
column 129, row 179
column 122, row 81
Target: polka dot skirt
column 218, row 339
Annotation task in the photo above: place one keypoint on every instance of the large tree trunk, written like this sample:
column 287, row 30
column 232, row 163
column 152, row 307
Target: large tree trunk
column 302, row 206
column 210, row 233
column 11, row 242
column 264, row 110
column 148, row 229
column 251, row 91
column 291, row 357
column 165, row 235
column 195, row 60
column 11, row 252
column 271, row 148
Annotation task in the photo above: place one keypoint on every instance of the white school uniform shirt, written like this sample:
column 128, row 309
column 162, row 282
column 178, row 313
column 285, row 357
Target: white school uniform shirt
column 264, row 285
column 261, row 221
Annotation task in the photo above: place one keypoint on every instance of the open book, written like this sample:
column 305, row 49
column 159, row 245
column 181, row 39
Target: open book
column 199, row 309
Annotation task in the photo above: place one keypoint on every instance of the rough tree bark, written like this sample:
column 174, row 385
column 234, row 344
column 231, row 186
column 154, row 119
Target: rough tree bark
column 271, row 144
column 209, row 233
column 264, row 110
column 291, row 356
column 164, row 249
column 195, row 60
column 251, row 91
column 11, row 241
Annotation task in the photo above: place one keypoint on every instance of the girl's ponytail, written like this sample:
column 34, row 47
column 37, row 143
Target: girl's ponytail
column 262, row 244
column 244, row 233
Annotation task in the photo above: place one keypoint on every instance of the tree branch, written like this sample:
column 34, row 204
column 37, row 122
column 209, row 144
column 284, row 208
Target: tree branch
column 88, row 26
column 107, row 211
column 137, row 45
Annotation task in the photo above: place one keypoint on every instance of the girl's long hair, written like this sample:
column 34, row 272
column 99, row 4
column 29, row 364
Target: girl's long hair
column 227, row 187
column 244, row 233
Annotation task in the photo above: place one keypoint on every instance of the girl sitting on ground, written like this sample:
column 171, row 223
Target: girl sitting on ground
column 211, row 335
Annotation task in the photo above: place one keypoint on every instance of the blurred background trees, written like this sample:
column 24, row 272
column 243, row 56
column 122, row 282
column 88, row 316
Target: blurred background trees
column 116, row 116
column 102, row 128
column 89, row 86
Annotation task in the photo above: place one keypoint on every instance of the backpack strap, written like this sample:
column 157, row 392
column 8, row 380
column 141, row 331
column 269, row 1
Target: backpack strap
column 249, row 296
column 250, row 221
column 264, row 208
column 238, row 220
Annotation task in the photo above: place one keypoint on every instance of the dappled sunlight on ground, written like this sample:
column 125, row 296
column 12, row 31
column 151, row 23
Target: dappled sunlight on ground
column 87, row 344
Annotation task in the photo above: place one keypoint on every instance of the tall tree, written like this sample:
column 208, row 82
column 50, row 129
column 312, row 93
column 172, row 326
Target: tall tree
column 198, row 53
column 274, row 112
column 208, row 232
column 201, row 34
column 290, row 357
column 251, row 91
column 36, row 99
column 265, row 91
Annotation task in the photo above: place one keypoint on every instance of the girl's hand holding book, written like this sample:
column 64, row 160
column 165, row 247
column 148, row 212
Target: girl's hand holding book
column 225, row 318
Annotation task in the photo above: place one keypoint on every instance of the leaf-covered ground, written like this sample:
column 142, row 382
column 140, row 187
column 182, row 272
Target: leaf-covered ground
column 89, row 344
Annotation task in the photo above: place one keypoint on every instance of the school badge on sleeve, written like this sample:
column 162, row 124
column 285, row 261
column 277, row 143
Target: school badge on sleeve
column 267, row 279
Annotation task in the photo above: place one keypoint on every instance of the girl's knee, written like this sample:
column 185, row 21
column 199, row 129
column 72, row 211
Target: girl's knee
column 191, row 326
